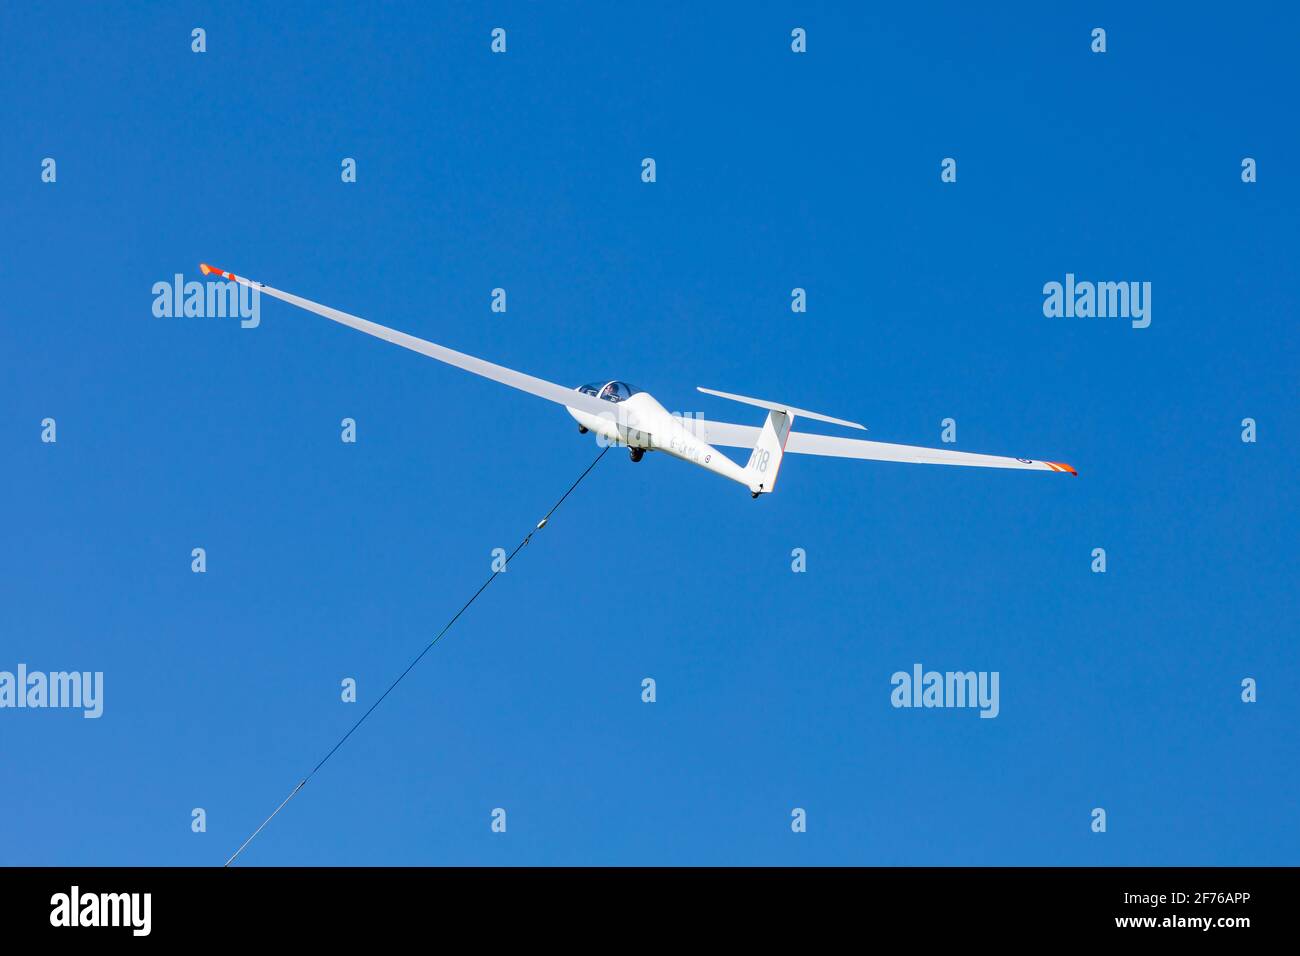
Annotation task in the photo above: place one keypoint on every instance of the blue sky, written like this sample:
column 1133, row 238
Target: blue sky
column 774, row 171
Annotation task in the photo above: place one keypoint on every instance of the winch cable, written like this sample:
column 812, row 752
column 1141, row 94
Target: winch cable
column 447, row 627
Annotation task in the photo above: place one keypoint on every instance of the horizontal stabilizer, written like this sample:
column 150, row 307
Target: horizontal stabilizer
column 781, row 407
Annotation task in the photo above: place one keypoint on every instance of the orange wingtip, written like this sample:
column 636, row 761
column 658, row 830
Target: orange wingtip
column 1061, row 466
column 210, row 270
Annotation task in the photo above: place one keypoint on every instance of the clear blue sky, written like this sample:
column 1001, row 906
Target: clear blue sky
column 1118, row 690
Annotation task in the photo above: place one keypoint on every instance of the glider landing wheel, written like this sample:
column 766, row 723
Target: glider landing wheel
column 753, row 494
column 582, row 429
column 636, row 453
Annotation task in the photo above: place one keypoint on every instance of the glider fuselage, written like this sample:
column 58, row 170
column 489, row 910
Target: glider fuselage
column 638, row 421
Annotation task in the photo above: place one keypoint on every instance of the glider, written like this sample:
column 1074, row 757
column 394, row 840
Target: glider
column 622, row 414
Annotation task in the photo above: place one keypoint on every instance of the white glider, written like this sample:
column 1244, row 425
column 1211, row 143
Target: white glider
column 623, row 414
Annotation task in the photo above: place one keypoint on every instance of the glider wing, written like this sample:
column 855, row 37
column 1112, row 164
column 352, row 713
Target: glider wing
column 804, row 443
column 560, row 394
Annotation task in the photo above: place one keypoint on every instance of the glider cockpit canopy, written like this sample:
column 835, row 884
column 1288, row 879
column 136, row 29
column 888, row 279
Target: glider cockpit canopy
column 610, row 391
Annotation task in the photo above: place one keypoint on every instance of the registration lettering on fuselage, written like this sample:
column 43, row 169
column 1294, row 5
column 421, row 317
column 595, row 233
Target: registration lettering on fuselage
column 685, row 449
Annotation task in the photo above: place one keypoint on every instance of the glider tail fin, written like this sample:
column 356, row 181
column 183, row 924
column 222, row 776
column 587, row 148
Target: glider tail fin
column 765, row 460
